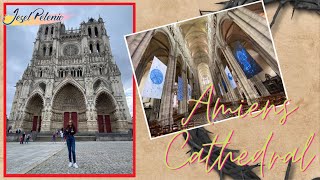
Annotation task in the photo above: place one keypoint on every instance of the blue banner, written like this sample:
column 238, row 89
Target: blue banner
column 180, row 89
column 230, row 78
column 249, row 66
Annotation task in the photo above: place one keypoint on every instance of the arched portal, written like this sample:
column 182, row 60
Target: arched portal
column 69, row 104
column 105, row 106
column 33, row 114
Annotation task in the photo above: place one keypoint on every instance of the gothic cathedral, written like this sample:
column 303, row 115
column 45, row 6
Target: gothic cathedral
column 72, row 76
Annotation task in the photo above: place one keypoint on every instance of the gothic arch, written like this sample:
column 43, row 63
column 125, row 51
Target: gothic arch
column 32, row 112
column 97, row 82
column 106, row 108
column 220, row 22
column 71, row 81
column 34, row 94
column 109, row 94
column 167, row 35
column 160, row 46
column 69, row 102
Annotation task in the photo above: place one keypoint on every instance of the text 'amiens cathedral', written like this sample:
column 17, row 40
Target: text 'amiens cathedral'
column 72, row 76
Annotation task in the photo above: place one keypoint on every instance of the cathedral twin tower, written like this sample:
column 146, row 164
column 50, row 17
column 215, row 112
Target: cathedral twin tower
column 72, row 76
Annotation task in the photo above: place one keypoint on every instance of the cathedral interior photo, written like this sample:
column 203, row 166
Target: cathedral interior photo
column 72, row 76
column 231, row 50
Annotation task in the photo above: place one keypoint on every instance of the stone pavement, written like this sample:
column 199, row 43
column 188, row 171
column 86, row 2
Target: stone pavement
column 93, row 157
column 23, row 157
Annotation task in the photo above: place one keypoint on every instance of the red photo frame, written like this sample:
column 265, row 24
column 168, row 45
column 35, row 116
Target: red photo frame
column 5, row 4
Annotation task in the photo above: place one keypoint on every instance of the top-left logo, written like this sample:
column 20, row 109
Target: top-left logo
column 36, row 17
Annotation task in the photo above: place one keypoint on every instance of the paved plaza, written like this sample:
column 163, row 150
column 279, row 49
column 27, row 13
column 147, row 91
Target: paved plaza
column 93, row 157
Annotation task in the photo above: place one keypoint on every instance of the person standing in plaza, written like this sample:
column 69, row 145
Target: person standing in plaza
column 21, row 140
column 27, row 138
column 70, row 131
column 54, row 137
column 23, row 136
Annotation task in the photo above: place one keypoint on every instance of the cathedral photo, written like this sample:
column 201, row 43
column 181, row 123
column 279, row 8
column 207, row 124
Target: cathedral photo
column 72, row 76
column 69, row 90
column 231, row 50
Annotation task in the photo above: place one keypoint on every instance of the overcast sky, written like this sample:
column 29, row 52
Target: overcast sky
column 118, row 22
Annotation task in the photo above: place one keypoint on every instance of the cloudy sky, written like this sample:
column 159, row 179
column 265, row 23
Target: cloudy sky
column 118, row 22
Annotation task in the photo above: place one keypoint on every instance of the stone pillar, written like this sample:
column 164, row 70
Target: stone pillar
column 91, row 114
column 138, row 47
column 196, row 88
column 250, row 91
column 166, row 109
column 263, row 90
column 133, row 41
column 256, row 21
column 45, row 119
column 214, row 80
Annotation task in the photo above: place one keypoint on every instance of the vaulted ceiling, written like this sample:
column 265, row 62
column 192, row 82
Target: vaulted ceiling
column 195, row 34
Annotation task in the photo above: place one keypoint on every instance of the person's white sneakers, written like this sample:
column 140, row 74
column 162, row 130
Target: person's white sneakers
column 70, row 164
column 75, row 165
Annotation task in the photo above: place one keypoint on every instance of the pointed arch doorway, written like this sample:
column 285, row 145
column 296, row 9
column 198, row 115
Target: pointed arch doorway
column 33, row 114
column 69, row 104
column 105, row 106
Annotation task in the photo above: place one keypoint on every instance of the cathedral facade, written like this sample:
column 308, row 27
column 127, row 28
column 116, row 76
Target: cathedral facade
column 72, row 76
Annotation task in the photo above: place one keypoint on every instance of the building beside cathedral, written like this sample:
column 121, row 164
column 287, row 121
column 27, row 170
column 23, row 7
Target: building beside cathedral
column 231, row 50
column 72, row 76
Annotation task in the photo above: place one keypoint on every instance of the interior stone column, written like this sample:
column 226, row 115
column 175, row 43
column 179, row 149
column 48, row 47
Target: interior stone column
column 196, row 87
column 139, row 46
column 214, row 79
column 166, row 109
column 254, row 20
column 133, row 41
column 263, row 90
column 251, row 93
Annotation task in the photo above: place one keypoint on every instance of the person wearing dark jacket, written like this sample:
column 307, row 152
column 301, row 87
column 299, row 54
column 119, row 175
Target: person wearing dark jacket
column 69, row 133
